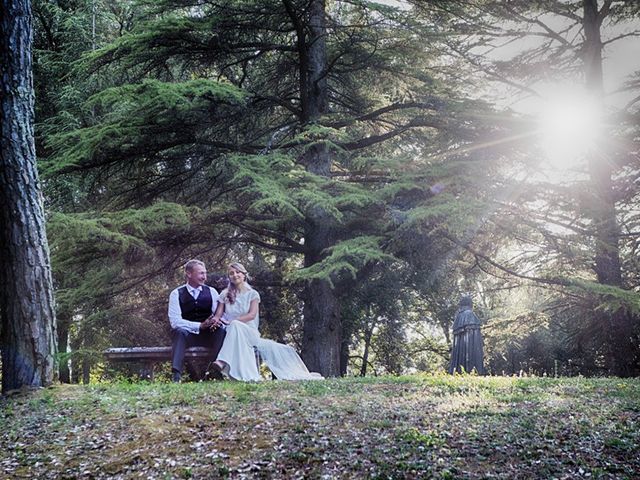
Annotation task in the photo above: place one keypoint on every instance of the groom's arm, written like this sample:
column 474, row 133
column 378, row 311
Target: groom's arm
column 175, row 315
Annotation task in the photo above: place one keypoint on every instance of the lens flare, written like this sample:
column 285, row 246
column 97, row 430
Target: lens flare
column 569, row 127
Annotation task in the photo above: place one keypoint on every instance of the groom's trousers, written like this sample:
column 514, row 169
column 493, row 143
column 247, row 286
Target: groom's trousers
column 183, row 339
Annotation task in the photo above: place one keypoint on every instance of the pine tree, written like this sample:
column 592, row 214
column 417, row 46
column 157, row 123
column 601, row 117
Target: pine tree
column 580, row 236
column 312, row 130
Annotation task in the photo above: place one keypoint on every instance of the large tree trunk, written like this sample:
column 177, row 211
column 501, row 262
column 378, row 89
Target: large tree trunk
column 322, row 332
column 607, row 252
column 26, row 296
column 63, row 348
column 602, row 207
column 322, row 339
column 76, row 365
column 368, row 334
column 86, row 371
column 344, row 354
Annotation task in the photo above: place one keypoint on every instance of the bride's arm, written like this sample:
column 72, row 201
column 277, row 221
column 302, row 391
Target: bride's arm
column 251, row 314
column 217, row 316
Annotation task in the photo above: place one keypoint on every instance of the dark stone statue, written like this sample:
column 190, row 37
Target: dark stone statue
column 467, row 354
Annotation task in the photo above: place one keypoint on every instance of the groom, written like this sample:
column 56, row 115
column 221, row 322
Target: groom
column 190, row 314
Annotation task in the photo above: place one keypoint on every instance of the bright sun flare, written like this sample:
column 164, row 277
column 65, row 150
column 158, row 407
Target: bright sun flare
column 569, row 126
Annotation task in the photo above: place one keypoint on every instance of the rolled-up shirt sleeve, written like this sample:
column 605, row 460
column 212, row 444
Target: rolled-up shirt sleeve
column 175, row 315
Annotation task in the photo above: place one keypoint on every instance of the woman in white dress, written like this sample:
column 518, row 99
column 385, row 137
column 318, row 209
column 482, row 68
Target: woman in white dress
column 238, row 309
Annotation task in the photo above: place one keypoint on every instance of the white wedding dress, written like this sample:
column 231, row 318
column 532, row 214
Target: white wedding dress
column 238, row 348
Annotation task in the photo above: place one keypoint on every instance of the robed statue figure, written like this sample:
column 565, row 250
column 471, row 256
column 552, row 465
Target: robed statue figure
column 466, row 355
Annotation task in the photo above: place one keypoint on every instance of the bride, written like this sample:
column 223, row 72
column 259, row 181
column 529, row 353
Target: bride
column 238, row 310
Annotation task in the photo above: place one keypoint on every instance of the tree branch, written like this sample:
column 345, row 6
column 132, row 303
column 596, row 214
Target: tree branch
column 374, row 139
column 434, row 104
column 547, row 281
column 620, row 37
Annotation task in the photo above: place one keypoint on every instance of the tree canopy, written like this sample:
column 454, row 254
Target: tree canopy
column 362, row 159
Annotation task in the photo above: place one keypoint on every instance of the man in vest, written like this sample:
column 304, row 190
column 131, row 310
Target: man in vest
column 190, row 313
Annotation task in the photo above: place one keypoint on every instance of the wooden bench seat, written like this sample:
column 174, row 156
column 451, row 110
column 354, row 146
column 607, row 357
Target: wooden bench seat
column 195, row 357
column 149, row 356
column 157, row 354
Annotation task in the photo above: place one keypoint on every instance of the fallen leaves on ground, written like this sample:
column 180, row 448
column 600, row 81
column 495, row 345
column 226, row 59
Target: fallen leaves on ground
column 386, row 427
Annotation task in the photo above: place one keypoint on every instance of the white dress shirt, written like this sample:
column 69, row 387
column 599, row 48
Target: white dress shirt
column 175, row 313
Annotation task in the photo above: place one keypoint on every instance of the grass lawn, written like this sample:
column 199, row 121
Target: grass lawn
column 385, row 427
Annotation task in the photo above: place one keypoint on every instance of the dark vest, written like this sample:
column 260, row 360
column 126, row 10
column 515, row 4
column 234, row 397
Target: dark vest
column 195, row 310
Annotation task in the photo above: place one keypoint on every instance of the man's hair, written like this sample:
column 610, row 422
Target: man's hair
column 188, row 267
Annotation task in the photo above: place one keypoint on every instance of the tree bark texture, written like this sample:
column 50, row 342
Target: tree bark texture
column 603, row 211
column 26, row 294
column 76, row 370
column 315, row 64
column 322, row 332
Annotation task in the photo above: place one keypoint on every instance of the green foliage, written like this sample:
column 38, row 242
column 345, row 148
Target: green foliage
column 133, row 115
column 316, row 135
column 457, row 215
column 608, row 297
column 99, row 259
column 145, row 42
column 156, row 98
column 185, row 133
column 562, row 227
column 267, row 180
column 112, row 235
column 347, row 257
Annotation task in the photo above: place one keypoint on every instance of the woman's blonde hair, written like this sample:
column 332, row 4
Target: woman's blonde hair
column 232, row 291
